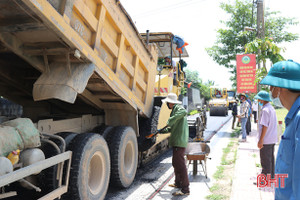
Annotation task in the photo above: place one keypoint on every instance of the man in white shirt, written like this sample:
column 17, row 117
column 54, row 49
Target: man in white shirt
column 243, row 116
column 267, row 133
column 254, row 110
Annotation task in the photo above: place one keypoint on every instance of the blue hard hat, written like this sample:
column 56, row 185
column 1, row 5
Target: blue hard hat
column 263, row 95
column 284, row 74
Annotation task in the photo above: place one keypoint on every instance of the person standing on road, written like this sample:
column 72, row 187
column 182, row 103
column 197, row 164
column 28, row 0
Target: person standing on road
column 284, row 81
column 178, row 126
column 234, row 113
column 267, row 133
column 243, row 116
column 254, row 110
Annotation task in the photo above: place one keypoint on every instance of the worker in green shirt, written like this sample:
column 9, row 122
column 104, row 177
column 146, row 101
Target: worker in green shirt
column 178, row 127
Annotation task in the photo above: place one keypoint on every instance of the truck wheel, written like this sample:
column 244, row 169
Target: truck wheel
column 89, row 176
column 124, row 156
column 103, row 130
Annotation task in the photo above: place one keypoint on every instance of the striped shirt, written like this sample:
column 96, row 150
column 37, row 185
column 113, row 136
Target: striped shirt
column 244, row 109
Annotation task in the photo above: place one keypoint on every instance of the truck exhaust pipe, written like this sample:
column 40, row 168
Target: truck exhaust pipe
column 147, row 37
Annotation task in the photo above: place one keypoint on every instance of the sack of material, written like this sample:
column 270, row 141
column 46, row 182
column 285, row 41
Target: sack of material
column 16, row 134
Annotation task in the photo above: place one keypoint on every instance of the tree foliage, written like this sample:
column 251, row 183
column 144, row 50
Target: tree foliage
column 232, row 39
column 268, row 50
column 265, row 49
column 193, row 76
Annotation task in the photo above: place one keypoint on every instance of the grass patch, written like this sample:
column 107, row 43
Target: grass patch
column 281, row 113
column 226, row 150
column 230, row 144
column 258, row 165
column 216, row 197
column 221, row 190
column 219, row 173
column 236, row 132
column 235, row 155
column 215, row 187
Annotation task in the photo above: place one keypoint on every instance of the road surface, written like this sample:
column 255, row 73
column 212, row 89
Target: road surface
column 151, row 181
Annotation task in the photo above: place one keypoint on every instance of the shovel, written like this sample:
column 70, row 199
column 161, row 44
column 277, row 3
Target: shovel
column 154, row 134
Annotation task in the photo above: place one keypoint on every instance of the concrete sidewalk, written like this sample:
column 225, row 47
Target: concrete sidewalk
column 246, row 171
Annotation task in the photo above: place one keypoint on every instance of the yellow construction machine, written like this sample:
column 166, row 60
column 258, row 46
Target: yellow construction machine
column 169, row 79
column 218, row 105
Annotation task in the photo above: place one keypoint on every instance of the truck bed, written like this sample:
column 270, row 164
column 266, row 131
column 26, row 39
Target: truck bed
column 79, row 57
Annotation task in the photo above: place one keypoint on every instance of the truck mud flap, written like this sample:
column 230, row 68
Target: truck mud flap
column 146, row 127
column 62, row 82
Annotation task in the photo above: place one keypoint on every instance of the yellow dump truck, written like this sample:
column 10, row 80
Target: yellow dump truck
column 85, row 79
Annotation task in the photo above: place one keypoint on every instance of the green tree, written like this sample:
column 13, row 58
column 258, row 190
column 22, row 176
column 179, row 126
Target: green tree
column 193, row 76
column 205, row 90
column 232, row 39
column 265, row 49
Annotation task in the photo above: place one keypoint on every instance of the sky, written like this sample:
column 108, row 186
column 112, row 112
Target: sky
column 197, row 22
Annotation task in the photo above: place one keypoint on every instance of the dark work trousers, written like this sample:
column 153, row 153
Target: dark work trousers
column 248, row 125
column 267, row 159
column 254, row 114
column 233, row 121
column 181, row 176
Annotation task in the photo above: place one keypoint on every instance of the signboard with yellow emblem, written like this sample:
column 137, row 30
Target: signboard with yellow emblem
column 245, row 71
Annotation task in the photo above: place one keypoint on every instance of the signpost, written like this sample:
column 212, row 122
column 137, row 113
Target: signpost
column 246, row 68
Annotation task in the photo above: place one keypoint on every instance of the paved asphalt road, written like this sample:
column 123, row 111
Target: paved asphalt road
column 214, row 123
column 159, row 172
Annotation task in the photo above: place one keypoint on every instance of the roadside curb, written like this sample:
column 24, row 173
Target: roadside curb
column 246, row 171
column 215, row 131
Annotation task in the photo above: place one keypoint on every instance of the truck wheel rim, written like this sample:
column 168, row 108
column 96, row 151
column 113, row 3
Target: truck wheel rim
column 96, row 173
column 129, row 157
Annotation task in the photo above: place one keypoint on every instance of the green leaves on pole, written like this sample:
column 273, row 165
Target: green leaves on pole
column 232, row 39
column 265, row 50
column 268, row 50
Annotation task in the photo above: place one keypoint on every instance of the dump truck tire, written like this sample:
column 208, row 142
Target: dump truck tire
column 124, row 156
column 89, row 175
column 103, row 130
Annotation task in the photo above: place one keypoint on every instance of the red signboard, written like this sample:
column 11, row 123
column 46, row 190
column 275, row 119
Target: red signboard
column 245, row 71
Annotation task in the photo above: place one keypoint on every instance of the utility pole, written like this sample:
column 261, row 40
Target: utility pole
column 260, row 35
column 260, row 19
column 260, row 27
